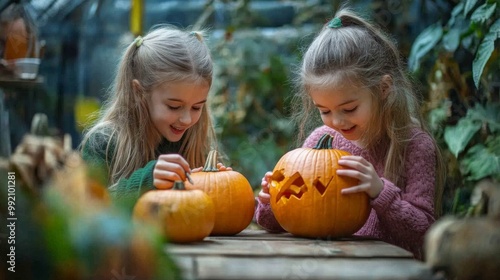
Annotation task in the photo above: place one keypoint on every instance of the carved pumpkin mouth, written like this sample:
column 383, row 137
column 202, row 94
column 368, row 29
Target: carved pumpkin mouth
column 294, row 186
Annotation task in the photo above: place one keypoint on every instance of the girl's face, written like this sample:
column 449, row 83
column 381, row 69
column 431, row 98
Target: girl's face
column 175, row 107
column 347, row 109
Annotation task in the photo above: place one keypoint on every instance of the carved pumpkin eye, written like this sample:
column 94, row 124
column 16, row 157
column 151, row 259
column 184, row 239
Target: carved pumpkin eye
column 293, row 186
column 306, row 198
column 319, row 186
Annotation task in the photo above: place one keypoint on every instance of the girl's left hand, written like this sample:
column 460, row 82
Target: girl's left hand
column 361, row 169
column 220, row 166
column 223, row 168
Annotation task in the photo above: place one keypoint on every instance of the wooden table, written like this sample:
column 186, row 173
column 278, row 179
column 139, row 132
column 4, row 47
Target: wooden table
column 256, row 254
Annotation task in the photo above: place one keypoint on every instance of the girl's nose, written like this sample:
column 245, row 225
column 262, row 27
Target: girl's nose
column 337, row 121
column 185, row 117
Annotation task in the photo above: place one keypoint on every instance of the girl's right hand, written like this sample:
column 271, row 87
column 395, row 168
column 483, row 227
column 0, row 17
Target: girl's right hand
column 220, row 166
column 168, row 169
column 264, row 196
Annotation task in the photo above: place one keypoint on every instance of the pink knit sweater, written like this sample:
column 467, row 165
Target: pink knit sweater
column 400, row 215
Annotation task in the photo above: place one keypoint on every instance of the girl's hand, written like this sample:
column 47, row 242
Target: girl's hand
column 197, row 169
column 168, row 169
column 220, row 166
column 264, row 196
column 223, row 168
column 369, row 181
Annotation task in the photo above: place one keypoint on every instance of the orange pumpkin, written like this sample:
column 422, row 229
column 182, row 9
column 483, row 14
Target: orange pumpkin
column 182, row 215
column 231, row 193
column 305, row 194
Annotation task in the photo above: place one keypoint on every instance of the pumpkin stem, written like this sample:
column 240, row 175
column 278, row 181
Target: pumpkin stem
column 179, row 185
column 325, row 142
column 211, row 162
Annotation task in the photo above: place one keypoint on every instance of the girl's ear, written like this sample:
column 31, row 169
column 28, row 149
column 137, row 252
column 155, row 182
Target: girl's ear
column 136, row 85
column 385, row 86
column 138, row 91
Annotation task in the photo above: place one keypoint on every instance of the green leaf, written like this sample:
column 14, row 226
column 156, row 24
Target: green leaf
column 424, row 42
column 451, row 40
column 467, row 43
column 495, row 28
column 457, row 10
column 483, row 54
column 493, row 145
column 469, row 5
column 438, row 115
column 479, row 163
column 457, row 137
column 483, row 13
column 489, row 114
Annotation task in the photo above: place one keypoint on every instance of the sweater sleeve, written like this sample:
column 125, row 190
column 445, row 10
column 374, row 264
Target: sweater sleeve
column 98, row 151
column 265, row 218
column 406, row 213
column 136, row 184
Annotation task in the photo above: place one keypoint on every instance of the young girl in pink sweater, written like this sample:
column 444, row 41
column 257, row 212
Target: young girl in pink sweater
column 353, row 76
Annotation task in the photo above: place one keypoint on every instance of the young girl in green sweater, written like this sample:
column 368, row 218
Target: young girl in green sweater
column 156, row 125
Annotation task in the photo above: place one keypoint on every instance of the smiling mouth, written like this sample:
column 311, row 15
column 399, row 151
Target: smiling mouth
column 348, row 130
column 177, row 130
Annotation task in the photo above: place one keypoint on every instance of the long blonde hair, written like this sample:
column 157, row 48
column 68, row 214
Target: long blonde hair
column 165, row 54
column 355, row 51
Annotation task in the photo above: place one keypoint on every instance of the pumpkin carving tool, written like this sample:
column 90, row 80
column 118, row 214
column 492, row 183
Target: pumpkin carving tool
column 188, row 176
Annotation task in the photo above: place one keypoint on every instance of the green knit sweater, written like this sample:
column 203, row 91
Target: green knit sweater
column 98, row 156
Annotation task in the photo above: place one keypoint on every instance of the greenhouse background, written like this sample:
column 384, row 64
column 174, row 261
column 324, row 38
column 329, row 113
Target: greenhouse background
column 67, row 227
column 256, row 46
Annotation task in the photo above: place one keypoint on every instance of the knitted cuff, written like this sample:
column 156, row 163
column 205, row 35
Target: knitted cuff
column 385, row 197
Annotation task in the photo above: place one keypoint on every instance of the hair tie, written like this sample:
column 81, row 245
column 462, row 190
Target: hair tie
column 335, row 23
column 138, row 41
column 197, row 35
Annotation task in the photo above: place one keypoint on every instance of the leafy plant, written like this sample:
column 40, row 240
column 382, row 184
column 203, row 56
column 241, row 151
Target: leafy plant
column 462, row 105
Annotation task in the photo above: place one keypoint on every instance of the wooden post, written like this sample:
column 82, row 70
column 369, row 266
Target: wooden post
column 136, row 17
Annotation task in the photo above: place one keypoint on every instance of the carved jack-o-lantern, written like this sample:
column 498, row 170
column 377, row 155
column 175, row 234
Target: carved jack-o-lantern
column 306, row 198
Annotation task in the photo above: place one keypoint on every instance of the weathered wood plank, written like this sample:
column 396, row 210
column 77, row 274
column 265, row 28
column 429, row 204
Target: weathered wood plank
column 256, row 235
column 214, row 267
column 351, row 249
column 252, row 234
column 222, row 247
column 188, row 266
column 297, row 248
column 260, row 255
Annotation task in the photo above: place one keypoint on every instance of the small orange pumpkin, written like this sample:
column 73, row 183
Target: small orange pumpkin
column 305, row 194
column 182, row 215
column 231, row 193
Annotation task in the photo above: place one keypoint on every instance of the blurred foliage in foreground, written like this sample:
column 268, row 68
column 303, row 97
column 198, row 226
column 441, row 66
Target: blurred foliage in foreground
column 63, row 225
